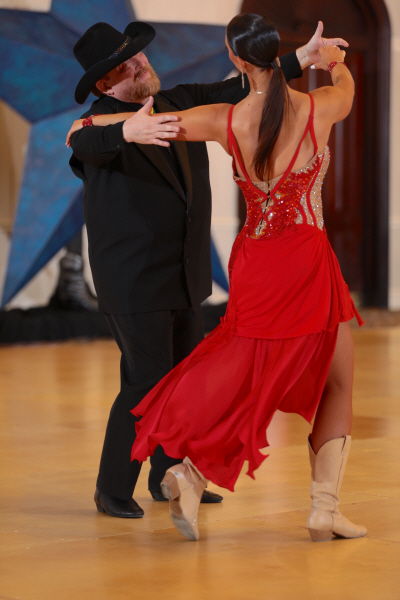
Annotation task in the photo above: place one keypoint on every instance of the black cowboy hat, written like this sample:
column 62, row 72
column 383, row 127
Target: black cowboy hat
column 102, row 48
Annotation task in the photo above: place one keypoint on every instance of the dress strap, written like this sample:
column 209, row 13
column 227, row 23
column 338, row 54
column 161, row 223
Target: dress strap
column 232, row 143
column 311, row 119
column 233, row 146
column 230, row 132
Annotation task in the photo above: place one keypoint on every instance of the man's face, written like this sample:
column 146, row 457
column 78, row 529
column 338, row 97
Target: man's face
column 132, row 81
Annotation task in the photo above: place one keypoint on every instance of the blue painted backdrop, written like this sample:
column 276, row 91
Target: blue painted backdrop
column 38, row 76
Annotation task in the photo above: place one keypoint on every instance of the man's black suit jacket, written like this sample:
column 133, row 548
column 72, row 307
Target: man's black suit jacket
column 148, row 214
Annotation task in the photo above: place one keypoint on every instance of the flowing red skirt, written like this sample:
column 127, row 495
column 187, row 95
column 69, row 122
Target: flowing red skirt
column 272, row 351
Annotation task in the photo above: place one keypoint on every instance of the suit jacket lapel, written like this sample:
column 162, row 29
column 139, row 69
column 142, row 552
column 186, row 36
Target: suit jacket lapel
column 183, row 158
column 155, row 155
column 181, row 153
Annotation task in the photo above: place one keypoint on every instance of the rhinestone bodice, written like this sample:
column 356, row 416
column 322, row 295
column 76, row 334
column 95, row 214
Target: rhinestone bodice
column 296, row 199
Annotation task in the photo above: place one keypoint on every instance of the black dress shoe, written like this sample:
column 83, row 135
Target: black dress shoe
column 207, row 497
column 116, row 507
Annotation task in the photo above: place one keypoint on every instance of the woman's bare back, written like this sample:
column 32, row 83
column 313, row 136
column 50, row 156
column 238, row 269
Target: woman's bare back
column 245, row 125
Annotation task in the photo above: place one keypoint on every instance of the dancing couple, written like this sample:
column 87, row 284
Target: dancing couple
column 284, row 342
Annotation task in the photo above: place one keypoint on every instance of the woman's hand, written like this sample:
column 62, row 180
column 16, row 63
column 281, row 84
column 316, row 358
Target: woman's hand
column 76, row 125
column 329, row 54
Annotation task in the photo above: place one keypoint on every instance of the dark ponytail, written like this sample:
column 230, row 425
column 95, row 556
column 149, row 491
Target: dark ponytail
column 253, row 38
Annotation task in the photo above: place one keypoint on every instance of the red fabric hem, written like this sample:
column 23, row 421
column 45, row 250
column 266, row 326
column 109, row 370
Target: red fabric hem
column 219, row 421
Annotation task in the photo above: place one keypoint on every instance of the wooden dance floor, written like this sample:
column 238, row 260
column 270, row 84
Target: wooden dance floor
column 55, row 400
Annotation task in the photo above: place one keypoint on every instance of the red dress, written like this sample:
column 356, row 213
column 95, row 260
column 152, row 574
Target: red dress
column 274, row 346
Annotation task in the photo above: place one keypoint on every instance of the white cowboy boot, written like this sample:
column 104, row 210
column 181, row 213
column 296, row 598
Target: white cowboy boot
column 327, row 471
column 183, row 485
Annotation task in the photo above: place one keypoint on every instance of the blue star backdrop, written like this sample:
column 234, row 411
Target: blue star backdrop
column 38, row 77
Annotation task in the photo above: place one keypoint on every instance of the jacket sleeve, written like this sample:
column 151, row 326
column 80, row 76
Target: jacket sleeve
column 96, row 146
column 290, row 66
column 230, row 91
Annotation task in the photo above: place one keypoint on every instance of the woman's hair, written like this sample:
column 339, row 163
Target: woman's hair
column 253, row 38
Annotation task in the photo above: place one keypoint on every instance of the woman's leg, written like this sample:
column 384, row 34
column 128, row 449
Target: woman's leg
column 184, row 485
column 334, row 415
column 330, row 444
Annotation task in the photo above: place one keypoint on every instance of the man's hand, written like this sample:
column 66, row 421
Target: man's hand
column 142, row 128
column 310, row 53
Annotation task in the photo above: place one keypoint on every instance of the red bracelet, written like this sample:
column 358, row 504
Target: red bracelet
column 332, row 65
column 88, row 121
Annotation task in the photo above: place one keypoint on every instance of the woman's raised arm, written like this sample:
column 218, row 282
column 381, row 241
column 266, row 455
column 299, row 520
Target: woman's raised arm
column 334, row 102
column 199, row 124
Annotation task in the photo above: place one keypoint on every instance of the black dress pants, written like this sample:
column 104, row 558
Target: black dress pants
column 151, row 344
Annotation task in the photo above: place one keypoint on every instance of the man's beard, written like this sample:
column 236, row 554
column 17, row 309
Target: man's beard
column 138, row 91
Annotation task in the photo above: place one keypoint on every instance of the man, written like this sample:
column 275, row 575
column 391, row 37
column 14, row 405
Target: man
column 147, row 207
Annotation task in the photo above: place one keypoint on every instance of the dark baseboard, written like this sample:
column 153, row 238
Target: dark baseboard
column 49, row 324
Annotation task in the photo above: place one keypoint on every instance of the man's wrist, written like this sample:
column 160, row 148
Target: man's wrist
column 125, row 133
column 115, row 136
column 303, row 58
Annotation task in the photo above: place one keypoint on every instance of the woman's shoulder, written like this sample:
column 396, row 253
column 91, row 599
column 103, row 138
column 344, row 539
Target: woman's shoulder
column 222, row 112
column 300, row 102
column 329, row 102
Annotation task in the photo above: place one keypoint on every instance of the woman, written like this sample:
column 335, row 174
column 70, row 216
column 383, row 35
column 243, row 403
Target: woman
column 284, row 342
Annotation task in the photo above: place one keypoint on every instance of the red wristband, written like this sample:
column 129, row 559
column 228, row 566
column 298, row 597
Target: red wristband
column 88, row 121
column 332, row 65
